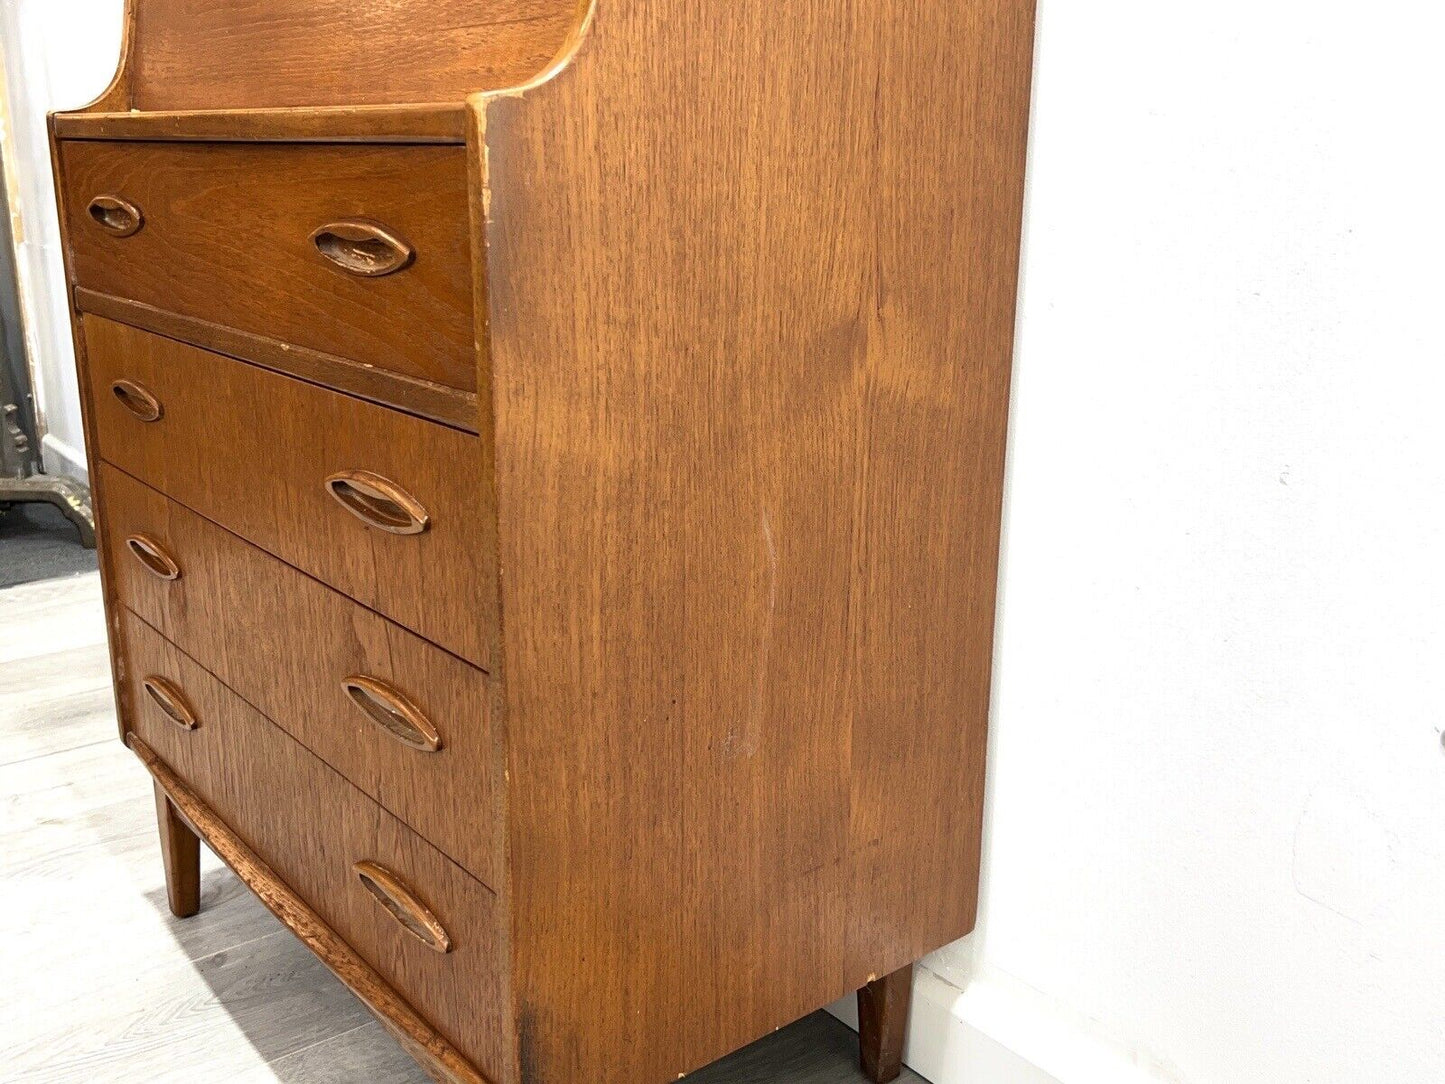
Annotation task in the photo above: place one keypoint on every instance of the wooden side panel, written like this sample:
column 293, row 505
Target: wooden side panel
column 226, row 237
column 311, row 827
column 252, row 450
column 286, row 642
column 204, row 54
column 752, row 281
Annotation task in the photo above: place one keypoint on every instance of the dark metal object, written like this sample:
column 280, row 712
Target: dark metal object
column 21, row 480
column 70, row 496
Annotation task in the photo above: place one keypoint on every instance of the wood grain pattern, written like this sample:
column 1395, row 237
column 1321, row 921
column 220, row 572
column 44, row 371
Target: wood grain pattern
column 171, row 701
column 748, row 620
column 739, row 292
column 251, row 450
column 417, row 1034
column 181, row 855
column 139, row 997
column 441, row 123
column 240, row 779
column 137, row 400
column 287, row 649
column 195, row 54
column 110, row 986
column 402, row 903
column 227, row 239
column 882, row 1023
column 437, row 402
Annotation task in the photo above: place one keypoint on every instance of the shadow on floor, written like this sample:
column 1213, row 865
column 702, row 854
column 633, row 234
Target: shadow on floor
column 815, row 1050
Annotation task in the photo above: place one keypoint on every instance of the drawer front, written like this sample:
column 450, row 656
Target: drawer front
column 229, row 234
column 253, row 451
column 314, row 829
column 290, row 645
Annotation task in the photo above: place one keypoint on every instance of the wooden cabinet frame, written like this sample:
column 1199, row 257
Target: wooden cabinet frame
column 744, row 289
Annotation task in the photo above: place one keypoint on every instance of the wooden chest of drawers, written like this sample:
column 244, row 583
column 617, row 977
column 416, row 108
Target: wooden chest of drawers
column 549, row 462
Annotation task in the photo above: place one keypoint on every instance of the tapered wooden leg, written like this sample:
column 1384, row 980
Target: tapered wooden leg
column 181, row 852
column 882, row 1019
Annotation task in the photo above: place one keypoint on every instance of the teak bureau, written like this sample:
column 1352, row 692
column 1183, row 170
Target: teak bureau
column 549, row 461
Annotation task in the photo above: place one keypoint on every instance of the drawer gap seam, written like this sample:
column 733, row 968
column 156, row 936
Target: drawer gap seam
column 313, row 753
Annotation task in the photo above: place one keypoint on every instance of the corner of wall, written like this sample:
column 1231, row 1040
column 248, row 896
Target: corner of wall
column 59, row 457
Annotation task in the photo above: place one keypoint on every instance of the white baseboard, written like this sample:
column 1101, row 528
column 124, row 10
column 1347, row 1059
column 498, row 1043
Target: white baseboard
column 62, row 458
column 998, row 1031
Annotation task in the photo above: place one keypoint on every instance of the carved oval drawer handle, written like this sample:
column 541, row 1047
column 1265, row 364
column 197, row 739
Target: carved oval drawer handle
column 171, row 701
column 393, row 712
column 363, row 248
column 153, row 557
column 378, row 502
column 138, row 400
column 401, row 903
column 116, row 215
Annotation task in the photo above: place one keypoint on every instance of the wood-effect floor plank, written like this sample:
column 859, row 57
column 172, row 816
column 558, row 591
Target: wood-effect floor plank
column 366, row 1053
column 273, row 1000
column 49, row 616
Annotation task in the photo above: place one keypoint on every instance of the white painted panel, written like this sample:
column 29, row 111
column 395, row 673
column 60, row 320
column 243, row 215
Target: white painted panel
column 1217, row 790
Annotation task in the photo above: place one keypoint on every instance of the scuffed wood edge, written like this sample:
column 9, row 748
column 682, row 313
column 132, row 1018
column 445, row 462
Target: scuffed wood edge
column 440, row 123
column 479, row 104
column 477, row 207
column 571, row 46
column 418, row 1037
column 480, row 210
column 435, row 402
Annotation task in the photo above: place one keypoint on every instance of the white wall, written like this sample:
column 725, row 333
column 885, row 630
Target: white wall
column 1216, row 845
column 1216, row 839
column 58, row 54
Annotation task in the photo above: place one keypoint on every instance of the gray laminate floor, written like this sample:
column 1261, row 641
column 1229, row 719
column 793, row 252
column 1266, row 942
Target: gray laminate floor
column 100, row 985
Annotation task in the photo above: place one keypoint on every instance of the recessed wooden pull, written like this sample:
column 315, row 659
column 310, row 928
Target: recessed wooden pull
column 401, row 903
column 116, row 215
column 171, row 701
column 153, row 557
column 137, row 400
column 364, row 248
column 393, row 712
column 378, row 502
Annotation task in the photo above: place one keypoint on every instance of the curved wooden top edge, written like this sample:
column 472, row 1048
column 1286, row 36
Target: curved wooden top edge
column 111, row 115
column 586, row 15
